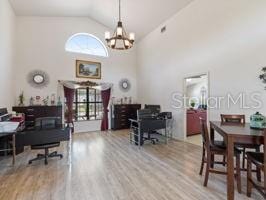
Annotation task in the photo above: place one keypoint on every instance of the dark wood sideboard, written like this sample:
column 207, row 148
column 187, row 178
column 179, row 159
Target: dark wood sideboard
column 33, row 112
column 120, row 115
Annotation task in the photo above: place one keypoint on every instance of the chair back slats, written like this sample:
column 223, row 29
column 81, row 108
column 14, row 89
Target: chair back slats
column 204, row 133
column 233, row 119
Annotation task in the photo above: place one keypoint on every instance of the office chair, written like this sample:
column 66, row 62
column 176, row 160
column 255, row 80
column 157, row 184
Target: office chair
column 144, row 117
column 46, row 123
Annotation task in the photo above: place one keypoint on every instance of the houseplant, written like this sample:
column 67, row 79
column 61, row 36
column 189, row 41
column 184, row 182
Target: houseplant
column 21, row 99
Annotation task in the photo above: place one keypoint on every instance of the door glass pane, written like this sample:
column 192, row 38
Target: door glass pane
column 81, row 112
column 98, row 96
column 92, row 111
column 92, row 95
column 82, row 95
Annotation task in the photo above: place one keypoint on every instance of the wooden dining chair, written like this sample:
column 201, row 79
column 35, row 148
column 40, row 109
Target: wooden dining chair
column 258, row 159
column 233, row 119
column 240, row 120
column 209, row 150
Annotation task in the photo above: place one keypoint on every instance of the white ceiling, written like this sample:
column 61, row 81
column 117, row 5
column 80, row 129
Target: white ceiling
column 139, row 16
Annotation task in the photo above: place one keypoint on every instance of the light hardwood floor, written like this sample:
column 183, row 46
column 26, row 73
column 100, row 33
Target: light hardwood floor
column 106, row 167
column 195, row 139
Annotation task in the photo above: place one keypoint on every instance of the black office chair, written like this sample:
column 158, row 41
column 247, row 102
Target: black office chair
column 46, row 123
column 142, row 115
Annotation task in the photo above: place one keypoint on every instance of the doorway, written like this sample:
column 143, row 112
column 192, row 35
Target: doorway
column 196, row 90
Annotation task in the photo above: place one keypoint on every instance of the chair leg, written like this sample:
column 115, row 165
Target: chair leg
column 55, row 154
column 238, row 173
column 224, row 160
column 207, row 169
column 249, row 177
column 202, row 160
column 39, row 157
column 258, row 169
column 244, row 158
column 46, row 156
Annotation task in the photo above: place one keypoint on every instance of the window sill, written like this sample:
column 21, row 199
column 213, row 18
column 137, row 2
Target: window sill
column 93, row 120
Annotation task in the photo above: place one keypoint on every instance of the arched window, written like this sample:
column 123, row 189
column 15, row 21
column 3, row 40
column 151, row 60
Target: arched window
column 86, row 44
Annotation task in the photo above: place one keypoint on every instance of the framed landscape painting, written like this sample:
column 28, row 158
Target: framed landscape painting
column 88, row 69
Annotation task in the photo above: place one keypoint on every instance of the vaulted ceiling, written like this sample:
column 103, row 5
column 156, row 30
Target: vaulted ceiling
column 139, row 16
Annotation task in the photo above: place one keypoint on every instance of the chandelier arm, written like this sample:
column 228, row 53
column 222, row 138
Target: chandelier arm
column 124, row 32
column 124, row 42
column 116, row 37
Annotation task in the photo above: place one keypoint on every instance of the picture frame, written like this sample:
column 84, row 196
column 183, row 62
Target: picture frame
column 88, row 69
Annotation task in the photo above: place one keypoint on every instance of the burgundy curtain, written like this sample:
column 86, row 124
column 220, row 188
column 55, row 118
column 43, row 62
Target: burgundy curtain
column 105, row 98
column 69, row 95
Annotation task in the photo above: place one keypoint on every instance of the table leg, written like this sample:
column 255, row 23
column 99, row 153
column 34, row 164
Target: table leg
column 166, row 136
column 14, row 148
column 69, row 149
column 212, row 141
column 230, row 168
column 139, row 135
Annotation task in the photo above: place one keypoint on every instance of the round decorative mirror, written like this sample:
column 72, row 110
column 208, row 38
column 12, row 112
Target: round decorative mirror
column 125, row 85
column 38, row 79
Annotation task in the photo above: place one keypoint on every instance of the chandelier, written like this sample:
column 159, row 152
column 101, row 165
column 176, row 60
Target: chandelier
column 120, row 40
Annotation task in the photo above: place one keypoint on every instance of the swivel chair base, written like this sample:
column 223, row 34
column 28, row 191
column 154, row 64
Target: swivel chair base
column 46, row 155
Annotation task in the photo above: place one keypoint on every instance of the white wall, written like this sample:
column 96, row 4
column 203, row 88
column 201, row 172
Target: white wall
column 225, row 38
column 7, row 31
column 40, row 45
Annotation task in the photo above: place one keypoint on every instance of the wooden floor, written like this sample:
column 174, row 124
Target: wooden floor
column 106, row 167
column 195, row 139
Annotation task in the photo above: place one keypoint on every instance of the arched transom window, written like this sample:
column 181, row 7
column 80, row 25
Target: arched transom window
column 85, row 43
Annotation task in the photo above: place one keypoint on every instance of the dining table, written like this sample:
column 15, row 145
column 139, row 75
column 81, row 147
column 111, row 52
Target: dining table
column 234, row 133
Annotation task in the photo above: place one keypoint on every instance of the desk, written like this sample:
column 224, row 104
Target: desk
column 45, row 136
column 234, row 133
column 139, row 127
column 10, row 129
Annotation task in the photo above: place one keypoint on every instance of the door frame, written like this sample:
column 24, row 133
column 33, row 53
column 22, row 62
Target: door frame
column 185, row 95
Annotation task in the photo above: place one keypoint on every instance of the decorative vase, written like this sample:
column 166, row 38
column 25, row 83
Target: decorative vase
column 59, row 103
column 257, row 121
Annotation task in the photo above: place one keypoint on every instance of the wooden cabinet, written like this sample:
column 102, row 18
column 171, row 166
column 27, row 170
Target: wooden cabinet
column 193, row 122
column 33, row 112
column 120, row 115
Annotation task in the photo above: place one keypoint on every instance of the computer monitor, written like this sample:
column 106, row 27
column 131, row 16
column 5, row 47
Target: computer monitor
column 155, row 109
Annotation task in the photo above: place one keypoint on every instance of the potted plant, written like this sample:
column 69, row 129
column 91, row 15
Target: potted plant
column 21, row 99
column 192, row 104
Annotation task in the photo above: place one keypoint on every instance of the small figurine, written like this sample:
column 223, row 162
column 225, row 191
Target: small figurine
column 21, row 99
column 53, row 99
column 38, row 100
column 31, row 101
column 125, row 100
column 45, row 101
